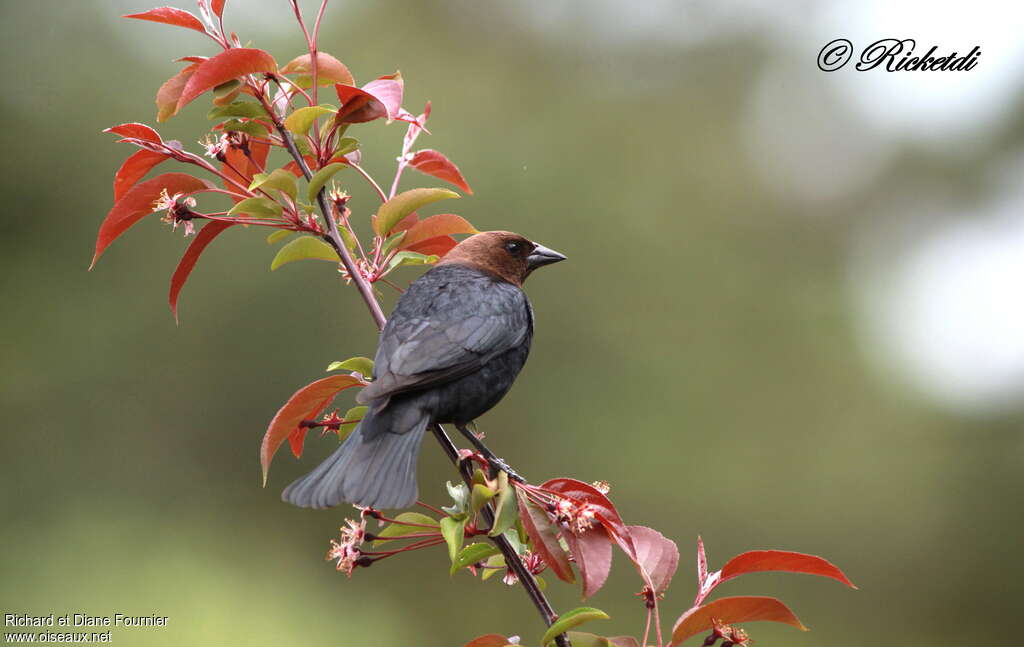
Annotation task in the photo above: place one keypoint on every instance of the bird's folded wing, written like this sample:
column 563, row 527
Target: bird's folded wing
column 440, row 339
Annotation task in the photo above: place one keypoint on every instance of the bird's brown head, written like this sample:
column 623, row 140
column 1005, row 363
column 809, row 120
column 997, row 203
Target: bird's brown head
column 508, row 256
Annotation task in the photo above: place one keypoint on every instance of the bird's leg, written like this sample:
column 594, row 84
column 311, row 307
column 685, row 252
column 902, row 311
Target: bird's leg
column 495, row 462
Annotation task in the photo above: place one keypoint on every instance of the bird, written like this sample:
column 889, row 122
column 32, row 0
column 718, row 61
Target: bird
column 453, row 346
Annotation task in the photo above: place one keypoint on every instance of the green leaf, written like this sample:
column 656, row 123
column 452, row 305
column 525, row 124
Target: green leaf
column 394, row 530
column 300, row 121
column 248, row 109
column 394, row 210
column 361, row 365
column 409, row 258
column 582, row 639
column 226, row 88
column 494, row 564
column 250, row 127
column 506, row 512
column 280, row 234
column 512, row 535
column 345, row 146
column 321, row 177
column 302, row 144
column 542, row 584
column 453, row 532
column 348, row 239
column 303, row 248
column 392, row 243
column 258, row 208
column 279, row 180
column 480, row 496
column 472, row 554
column 356, row 414
column 571, row 619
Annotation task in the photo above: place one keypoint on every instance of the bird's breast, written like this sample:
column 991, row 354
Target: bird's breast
column 469, row 397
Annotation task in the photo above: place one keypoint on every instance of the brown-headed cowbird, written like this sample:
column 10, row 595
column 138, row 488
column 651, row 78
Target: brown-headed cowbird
column 450, row 351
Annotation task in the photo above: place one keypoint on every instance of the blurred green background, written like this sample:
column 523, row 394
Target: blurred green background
column 780, row 325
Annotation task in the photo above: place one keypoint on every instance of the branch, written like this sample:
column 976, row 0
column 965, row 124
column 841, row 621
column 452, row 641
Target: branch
column 366, row 290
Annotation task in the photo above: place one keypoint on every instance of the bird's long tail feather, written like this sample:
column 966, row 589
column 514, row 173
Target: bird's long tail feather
column 372, row 467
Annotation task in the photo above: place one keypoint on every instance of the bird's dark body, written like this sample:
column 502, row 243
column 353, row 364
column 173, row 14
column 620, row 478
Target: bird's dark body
column 451, row 350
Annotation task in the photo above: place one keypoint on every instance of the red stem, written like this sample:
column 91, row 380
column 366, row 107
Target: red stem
column 430, row 507
column 376, row 187
column 412, row 535
column 420, row 544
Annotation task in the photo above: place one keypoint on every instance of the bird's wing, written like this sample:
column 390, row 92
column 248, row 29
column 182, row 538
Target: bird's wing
column 448, row 324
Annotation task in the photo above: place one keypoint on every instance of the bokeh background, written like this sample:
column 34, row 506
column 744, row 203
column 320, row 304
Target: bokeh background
column 792, row 317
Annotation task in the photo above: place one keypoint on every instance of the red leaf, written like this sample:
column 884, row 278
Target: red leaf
column 357, row 106
column 438, row 246
column 381, row 97
column 603, row 507
column 191, row 59
column 781, row 560
column 218, row 7
column 592, row 551
column 169, row 93
column 138, row 203
column 443, row 224
column 293, row 168
column 305, row 404
column 436, row 164
column 238, row 162
column 133, row 170
column 170, row 16
column 188, row 261
column 229, row 64
column 656, row 554
column 490, row 640
column 388, row 90
column 542, row 536
column 327, row 67
column 297, row 438
column 729, row 611
column 259, row 151
column 135, row 131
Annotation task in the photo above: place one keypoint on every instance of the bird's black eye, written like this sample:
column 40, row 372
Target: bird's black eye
column 513, row 247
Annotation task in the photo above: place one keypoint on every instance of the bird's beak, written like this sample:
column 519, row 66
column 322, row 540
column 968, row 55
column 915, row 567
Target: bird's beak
column 541, row 256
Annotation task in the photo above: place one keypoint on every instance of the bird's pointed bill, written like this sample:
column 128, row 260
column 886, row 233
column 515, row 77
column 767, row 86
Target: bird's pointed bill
column 541, row 256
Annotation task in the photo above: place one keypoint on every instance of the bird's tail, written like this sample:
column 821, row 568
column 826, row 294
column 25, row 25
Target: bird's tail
column 374, row 467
